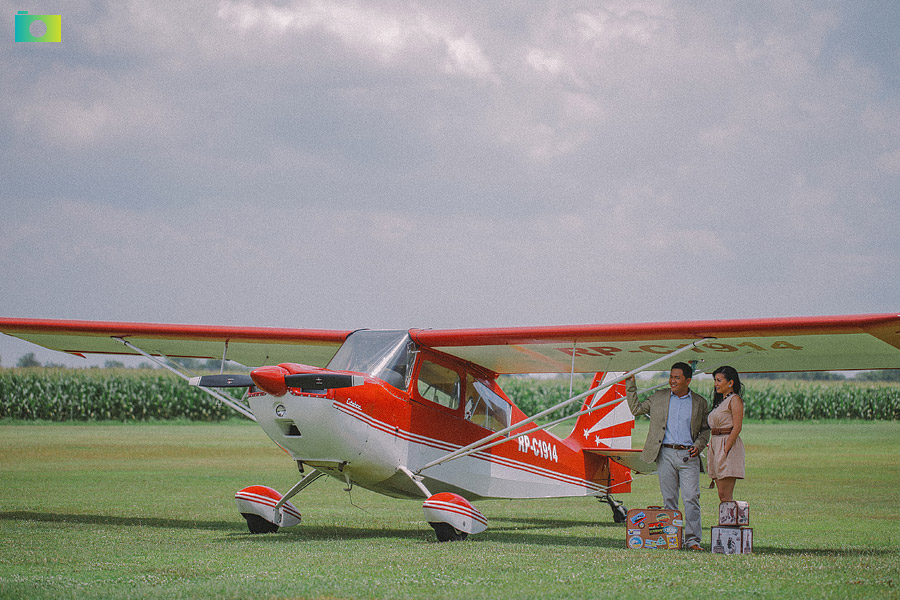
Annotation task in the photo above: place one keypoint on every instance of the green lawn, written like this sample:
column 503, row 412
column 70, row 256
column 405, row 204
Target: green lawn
column 146, row 511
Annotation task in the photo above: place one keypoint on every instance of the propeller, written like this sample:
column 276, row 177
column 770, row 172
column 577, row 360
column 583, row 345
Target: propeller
column 303, row 381
column 221, row 381
column 276, row 380
column 322, row 381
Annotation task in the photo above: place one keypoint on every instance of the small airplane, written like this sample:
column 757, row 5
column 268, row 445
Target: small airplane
column 419, row 413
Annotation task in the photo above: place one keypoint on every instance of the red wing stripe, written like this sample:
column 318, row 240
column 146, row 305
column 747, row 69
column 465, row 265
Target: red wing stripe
column 436, row 338
column 172, row 331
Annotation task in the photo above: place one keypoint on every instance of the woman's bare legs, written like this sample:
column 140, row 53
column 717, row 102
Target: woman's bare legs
column 725, row 487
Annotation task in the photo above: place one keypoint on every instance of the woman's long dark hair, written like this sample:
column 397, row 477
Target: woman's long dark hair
column 730, row 374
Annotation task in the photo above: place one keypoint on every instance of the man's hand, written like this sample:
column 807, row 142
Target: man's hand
column 694, row 451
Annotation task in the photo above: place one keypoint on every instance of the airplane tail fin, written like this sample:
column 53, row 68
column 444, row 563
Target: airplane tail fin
column 607, row 427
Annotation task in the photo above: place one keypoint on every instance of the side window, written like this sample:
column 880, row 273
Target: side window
column 485, row 407
column 438, row 384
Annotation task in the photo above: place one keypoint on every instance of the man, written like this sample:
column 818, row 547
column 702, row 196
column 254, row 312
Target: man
column 678, row 432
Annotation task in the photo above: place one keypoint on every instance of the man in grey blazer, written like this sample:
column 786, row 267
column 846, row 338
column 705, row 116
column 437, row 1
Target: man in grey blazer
column 678, row 433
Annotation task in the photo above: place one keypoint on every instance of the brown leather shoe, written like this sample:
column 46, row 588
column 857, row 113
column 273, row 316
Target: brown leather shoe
column 695, row 547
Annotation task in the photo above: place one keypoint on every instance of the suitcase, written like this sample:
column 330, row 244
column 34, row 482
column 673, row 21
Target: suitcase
column 731, row 540
column 734, row 513
column 654, row 528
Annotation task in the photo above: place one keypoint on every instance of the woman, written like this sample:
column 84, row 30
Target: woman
column 726, row 450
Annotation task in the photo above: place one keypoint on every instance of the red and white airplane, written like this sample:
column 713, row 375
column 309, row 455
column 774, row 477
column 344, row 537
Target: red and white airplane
column 419, row 413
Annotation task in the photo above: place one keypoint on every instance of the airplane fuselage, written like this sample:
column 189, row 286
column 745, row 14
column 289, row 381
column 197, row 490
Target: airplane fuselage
column 367, row 434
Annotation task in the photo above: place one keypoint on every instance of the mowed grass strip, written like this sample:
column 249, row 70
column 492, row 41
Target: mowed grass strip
column 146, row 511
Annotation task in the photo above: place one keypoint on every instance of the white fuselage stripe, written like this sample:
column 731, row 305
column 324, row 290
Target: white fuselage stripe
column 448, row 447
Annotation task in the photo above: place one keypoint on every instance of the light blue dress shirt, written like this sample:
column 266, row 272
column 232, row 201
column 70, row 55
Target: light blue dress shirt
column 678, row 424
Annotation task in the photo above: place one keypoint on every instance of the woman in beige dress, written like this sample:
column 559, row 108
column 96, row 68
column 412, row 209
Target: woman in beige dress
column 726, row 450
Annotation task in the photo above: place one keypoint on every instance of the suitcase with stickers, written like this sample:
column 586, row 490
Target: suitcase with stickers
column 654, row 528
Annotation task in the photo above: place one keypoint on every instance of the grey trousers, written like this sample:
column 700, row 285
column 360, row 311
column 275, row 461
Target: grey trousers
column 675, row 474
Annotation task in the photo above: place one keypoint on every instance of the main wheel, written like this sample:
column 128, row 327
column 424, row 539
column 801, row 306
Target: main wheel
column 256, row 524
column 448, row 533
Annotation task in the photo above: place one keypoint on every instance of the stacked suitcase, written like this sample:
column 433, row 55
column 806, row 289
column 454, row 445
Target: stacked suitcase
column 654, row 528
column 733, row 534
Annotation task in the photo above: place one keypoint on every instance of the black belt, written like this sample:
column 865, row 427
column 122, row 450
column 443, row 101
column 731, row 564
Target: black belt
column 677, row 446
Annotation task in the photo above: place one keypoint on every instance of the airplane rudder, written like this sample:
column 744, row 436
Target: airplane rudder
column 607, row 426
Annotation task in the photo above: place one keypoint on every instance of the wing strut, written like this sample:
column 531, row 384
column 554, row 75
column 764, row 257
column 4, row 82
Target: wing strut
column 483, row 442
column 220, row 397
column 585, row 411
column 224, row 354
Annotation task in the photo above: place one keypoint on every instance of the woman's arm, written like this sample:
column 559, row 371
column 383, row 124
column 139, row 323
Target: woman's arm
column 737, row 419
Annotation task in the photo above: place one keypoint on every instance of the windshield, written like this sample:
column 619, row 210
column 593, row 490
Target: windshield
column 485, row 407
column 387, row 355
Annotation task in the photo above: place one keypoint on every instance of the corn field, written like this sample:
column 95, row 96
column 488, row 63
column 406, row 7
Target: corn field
column 103, row 395
column 143, row 395
column 799, row 401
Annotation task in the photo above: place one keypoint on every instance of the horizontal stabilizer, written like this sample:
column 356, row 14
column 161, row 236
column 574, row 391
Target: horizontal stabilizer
column 627, row 458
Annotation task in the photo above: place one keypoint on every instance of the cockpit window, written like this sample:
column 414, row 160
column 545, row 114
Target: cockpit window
column 485, row 407
column 387, row 355
column 438, row 384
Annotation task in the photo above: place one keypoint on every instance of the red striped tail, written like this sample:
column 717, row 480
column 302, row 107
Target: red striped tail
column 607, row 427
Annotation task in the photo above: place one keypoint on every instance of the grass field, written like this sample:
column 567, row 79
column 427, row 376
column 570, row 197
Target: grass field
column 146, row 511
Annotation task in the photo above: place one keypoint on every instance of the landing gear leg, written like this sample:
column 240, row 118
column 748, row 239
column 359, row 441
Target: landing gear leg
column 619, row 510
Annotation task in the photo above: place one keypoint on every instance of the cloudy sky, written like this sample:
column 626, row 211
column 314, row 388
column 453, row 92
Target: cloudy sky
column 450, row 164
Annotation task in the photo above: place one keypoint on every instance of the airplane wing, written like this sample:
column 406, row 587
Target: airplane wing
column 855, row 342
column 250, row 346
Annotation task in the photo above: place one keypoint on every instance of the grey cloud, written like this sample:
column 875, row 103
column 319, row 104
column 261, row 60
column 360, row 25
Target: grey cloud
column 451, row 164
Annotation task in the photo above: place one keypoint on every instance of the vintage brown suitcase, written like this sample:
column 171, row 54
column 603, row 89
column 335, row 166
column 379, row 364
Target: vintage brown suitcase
column 654, row 528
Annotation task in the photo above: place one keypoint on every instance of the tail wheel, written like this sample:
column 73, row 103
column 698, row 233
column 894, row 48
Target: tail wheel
column 619, row 510
column 447, row 533
column 256, row 524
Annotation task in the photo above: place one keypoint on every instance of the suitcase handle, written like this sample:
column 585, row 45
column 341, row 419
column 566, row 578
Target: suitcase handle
column 654, row 508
